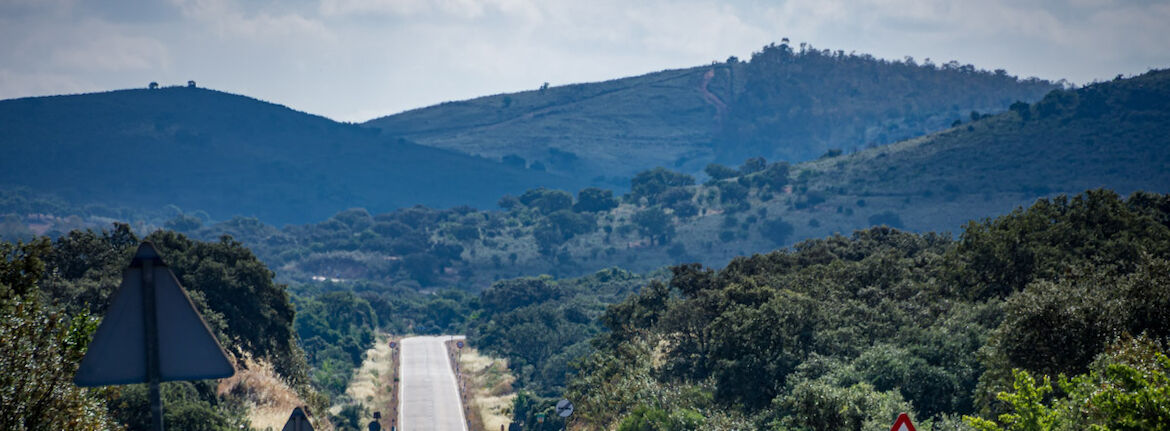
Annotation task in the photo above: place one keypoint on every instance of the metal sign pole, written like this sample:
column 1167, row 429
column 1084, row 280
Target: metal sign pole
column 149, row 307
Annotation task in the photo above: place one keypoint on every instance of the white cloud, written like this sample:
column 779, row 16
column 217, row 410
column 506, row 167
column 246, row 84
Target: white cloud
column 113, row 52
column 462, row 9
column 15, row 84
column 228, row 20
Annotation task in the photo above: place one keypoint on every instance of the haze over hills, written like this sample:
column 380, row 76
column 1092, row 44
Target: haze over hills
column 230, row 155
column 785, row 104
column 1109, row 135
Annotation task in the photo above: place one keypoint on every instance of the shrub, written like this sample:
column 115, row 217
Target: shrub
column 720, row 172
column 593, row 199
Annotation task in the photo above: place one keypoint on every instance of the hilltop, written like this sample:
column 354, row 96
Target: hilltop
column 230, row 155
column 1109, row 135
column 785, row 104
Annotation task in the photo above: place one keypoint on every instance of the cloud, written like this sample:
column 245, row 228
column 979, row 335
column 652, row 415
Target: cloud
column 113, row 52
column 19, row 84
column 228, row 19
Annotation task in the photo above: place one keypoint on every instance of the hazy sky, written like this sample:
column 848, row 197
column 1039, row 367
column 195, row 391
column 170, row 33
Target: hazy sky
column 354, row 60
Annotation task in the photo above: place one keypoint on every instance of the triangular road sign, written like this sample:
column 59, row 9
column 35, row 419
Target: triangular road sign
column 187, row 350
column 297, row 421
column 903, row 424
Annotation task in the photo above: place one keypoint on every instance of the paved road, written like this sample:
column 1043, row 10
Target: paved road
column 429, row 395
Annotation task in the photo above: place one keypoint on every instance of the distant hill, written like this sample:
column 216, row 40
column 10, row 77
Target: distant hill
column 1109, row 135
column 230, row 155
column 784, row 104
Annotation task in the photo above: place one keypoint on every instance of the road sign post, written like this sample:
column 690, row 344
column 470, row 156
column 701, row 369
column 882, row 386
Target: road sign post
column 150, row 317
column 133, row 345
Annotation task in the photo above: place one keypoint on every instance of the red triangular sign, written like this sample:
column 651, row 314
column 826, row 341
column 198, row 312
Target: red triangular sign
column 903, row 424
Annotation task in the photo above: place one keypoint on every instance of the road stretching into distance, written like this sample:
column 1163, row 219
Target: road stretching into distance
column 428, row 393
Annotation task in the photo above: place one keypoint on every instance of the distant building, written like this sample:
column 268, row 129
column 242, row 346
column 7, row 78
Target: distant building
column 190, row 84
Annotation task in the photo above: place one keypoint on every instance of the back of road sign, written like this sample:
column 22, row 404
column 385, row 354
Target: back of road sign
column 297, row 421
column 187, row 349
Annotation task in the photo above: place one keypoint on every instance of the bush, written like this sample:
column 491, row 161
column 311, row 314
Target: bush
column 720, row 172
column 593, row 199
column 653, row 419
column 685, row 209
column 732, row 193
column 753, row 165
column 653, row 223
column 547, row 201
column 39, row 354
column 465, row 232
column 649, row 184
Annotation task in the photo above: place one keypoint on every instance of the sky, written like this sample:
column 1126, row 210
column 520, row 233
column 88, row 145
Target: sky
column 355, row 60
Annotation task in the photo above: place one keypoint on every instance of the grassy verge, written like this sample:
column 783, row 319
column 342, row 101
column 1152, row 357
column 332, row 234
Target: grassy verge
column 486, row 385
column 375, row 385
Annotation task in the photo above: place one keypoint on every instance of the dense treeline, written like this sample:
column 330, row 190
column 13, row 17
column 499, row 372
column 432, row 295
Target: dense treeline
column 845, row 332
column 542, row 325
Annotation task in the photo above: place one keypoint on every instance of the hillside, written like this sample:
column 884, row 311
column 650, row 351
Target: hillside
column 1109, row 135
column 783, row 104
column 229, row 155
column 611, row 128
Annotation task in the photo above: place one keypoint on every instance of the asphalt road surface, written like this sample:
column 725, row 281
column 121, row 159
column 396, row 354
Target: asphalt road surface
column 428, row 392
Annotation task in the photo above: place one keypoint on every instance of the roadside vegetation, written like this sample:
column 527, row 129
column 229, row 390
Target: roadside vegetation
column 1052, row 317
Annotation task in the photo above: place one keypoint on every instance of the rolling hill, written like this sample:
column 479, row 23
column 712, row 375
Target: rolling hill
column 784, row 104
column 230, row 155
column 1109, row 135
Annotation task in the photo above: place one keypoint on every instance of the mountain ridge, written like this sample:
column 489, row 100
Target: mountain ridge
column 786, row 104
column 229, row 154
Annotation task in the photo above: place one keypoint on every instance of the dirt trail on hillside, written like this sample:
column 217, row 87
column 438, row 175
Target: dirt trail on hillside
column 711, row 98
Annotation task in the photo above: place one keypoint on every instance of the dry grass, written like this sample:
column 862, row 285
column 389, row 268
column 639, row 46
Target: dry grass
column 369, row 381
column 372, row 384
column 490, row 386
column 269, row 398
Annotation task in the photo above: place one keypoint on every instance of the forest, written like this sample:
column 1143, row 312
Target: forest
column 1051, row 317
column 808, row 276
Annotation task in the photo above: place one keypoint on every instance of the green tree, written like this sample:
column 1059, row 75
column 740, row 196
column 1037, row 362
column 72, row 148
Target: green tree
column 720, row 172
column 1027, row 404
column 547, row 201
column 655, row 224
column 649, row 184
column 593, row 199
column 40, row 352
column 753, row 165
